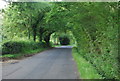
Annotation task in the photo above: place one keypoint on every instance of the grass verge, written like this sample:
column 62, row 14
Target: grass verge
column 85, row 69
column 26, row 53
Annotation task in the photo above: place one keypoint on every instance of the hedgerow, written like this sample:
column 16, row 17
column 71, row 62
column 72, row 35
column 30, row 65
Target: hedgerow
column 14, row 47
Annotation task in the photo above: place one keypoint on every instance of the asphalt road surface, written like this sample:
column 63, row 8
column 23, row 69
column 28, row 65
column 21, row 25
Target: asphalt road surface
column 56, row 63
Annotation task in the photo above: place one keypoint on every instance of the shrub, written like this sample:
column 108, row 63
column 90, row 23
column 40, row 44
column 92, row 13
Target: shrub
column 64, row 40
column 13, row 47
column 43, row 44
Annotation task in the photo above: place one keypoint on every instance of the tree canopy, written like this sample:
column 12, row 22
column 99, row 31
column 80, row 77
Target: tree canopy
column 94, row 26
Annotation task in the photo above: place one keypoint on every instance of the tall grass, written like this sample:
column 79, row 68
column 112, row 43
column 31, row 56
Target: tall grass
column 85, row 69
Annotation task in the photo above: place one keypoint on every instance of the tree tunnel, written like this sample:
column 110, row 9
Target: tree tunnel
column 55, row 38
column 93, row 27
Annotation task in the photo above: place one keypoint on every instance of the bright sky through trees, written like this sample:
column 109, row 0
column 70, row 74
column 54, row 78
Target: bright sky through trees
column 2, row 4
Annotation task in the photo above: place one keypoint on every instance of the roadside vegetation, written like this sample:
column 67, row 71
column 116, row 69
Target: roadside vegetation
column 21, row 49
column 91, row 27
column 85, row 69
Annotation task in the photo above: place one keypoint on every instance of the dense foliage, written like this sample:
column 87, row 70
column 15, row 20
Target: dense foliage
column 14, row 47
column 27, row 19
column 94, row 26
column 64, row 40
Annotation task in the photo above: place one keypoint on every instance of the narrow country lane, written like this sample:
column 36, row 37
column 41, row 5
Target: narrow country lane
column 56, row 63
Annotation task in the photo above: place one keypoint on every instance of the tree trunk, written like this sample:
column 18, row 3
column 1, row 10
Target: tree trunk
column 40, row 37
column 46, row 39
column 41, row 31
column 34, row 33
column 28, row 33
column 35, row 26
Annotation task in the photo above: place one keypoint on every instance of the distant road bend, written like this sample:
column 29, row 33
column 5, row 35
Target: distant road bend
column 56, row 63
